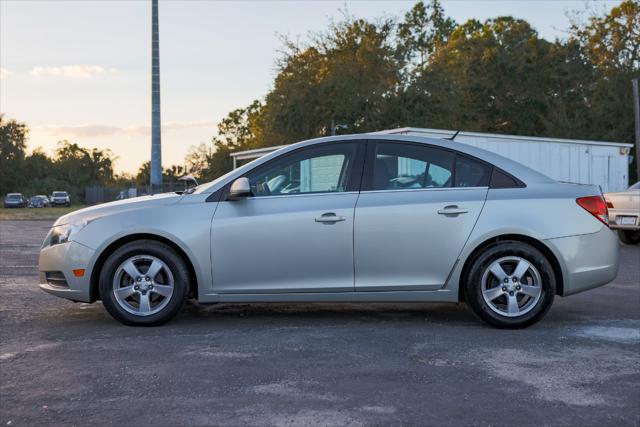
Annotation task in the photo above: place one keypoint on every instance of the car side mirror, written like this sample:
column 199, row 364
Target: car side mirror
column 240, row 189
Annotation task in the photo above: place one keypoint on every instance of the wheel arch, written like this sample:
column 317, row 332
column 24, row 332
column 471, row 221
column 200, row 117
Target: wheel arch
column 94, row 289
column 539, row 245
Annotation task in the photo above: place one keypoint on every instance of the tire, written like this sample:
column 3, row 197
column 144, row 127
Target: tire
column 492, row 299
column 149, row 299
column 630, row 237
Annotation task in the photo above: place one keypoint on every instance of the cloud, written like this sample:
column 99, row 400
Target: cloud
column 97, row 131
column 72, row 71
column 5, row 73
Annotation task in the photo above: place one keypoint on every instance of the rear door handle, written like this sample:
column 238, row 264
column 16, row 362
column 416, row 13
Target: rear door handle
column 452, row 210
column 330, row 217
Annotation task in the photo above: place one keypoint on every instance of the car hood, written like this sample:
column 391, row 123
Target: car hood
column 97, row 211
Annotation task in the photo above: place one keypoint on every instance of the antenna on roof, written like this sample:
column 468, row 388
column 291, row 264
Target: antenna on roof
column 451, row 138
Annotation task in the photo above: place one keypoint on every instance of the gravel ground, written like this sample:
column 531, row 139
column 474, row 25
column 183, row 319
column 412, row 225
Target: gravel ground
column 313, row 364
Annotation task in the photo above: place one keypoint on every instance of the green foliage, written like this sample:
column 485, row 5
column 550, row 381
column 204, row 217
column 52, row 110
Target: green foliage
column 72, row 169
column 422, row 70
column 13, row 143
column 425, row 28
column 612, row 42
column 427, row 71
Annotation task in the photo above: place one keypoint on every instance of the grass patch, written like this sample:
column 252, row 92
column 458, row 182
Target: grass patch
column 17, row 214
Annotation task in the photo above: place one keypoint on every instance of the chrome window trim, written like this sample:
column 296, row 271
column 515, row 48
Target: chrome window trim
column 424, row 189
column 280, row 196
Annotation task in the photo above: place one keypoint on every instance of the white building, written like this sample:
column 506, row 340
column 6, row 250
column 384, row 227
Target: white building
column 570, row 160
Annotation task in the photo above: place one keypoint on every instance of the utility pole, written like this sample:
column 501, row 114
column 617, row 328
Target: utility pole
column 156, row 148
column 636, row 109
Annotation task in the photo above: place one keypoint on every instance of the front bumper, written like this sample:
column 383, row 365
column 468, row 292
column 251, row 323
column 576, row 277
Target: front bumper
column 587, row 260
column 65, row 258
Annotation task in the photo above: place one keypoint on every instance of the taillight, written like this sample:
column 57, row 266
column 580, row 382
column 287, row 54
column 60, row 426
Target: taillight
column 596, row 206
column 609, row 204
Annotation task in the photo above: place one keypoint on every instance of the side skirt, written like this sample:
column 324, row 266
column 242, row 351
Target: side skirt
column 443, row 295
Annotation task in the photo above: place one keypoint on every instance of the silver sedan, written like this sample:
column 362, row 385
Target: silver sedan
column 360, row 218
column 624, row 210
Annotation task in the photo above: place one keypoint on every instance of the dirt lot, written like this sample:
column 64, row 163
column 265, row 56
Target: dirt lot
column 313, row 364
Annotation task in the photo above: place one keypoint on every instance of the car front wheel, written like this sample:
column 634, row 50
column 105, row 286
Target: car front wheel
column 510, row 285
column 144, row 283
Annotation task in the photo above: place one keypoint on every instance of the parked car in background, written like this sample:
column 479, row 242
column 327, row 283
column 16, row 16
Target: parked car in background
column 624, row 213
column 60, row 198
column 358, row 218
column 15, row 200
column 39, row 201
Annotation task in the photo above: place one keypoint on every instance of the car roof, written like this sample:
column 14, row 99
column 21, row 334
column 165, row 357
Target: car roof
column 522, row 172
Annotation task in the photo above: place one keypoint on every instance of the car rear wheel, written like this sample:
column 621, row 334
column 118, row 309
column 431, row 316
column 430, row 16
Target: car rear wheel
column 144, row 283
column 510, row 285
column 630, row 237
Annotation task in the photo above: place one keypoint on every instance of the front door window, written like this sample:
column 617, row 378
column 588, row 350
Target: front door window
column 317, row 170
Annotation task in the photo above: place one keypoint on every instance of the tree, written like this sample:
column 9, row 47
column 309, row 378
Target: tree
column 142, row 176
column 611, row 45
column 490, row 76
column 424, row 29
column 13, row 143
column 239, row 129
column 80, row 167
column 612, row 42
column 346, row 74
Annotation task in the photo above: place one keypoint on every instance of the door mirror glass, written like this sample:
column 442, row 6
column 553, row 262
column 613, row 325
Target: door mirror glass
column 240, row 189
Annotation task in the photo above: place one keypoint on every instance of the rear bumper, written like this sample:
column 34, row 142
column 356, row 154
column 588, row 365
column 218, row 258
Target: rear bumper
column 587, row 260
column 614, row 220
column 65, row 258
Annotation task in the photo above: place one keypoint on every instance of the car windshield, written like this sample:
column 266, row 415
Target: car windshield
column 13, row 196
column 59, row 194
column 35, row 198
column 635, row 186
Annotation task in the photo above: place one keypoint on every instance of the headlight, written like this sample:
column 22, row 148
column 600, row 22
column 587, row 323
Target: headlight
column 63, row 233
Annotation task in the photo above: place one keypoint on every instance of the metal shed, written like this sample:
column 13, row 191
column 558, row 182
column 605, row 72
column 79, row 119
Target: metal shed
column 570, row 160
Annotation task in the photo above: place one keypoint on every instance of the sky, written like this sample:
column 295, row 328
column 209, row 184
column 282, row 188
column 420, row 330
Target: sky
column 80, row 70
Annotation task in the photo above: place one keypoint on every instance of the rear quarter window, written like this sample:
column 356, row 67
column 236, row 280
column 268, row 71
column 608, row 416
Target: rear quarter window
column 500, row 179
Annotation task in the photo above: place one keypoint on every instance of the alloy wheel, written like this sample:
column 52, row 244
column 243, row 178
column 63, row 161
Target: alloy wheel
column 511, row 286
column 143, row 285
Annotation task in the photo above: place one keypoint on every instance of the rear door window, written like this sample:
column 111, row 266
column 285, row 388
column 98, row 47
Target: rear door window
column 405, row 166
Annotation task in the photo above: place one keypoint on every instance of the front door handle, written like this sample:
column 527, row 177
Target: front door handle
column 330, row 217
column 452, row 210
